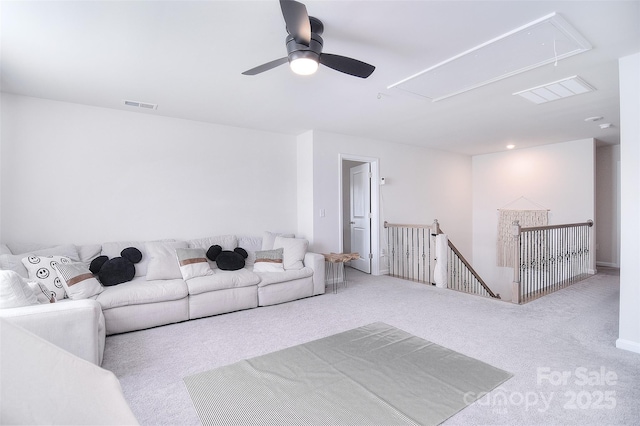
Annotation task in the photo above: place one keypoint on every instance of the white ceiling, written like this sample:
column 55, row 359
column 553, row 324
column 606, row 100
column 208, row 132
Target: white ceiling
column 188, row 58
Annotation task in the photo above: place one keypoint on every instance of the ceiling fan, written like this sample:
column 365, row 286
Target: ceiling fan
column 304, row 46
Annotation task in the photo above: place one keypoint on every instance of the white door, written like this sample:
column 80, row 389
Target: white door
column 360, row 216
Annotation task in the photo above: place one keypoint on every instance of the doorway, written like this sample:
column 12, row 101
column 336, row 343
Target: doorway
column 359, row 219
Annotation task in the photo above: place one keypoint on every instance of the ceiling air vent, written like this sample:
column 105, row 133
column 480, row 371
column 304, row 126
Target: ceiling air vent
column 143, row 105
column 564, row 88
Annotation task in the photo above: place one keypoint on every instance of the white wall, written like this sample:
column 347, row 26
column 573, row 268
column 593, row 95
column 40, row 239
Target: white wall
column 80, row 174
column 422, row 185
column 629, row 337
column 304, row 157
column 608, row 205
column 559, row 177
column 1, row 133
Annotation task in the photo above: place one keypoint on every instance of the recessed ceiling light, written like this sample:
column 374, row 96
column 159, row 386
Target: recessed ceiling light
column 605, row 125
column 510, row 146
column 596, row 118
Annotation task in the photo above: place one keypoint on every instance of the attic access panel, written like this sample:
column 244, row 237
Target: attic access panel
column 543, row 41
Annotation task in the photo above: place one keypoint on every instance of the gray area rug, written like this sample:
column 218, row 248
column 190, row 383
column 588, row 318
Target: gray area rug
column 375, row 374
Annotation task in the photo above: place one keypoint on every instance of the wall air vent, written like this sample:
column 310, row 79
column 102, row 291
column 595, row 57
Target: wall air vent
column 560, row 89
column 143, row 105
column 543, row 41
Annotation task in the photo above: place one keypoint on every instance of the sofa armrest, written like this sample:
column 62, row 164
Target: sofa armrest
column 315, row 261
column 43, row 384
column 76, row 326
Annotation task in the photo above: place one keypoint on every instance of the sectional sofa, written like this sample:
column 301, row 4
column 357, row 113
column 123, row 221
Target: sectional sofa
column 163, row 291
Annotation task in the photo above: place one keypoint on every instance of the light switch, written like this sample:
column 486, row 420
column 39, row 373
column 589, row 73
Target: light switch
column 322, row 212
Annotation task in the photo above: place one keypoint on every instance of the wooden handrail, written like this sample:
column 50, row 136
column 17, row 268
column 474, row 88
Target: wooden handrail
column 404, row 225
column 468, row 265
column 539, row 273
column 434, row 230
column 473, row 271
column 568, row 225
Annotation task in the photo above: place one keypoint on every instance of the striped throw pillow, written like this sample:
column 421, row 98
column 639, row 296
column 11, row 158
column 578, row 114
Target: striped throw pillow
column 193, row 263
column 78, row 281
column 269, row 261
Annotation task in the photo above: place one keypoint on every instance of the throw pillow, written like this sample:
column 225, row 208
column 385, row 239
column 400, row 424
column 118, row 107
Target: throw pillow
column 114, row 249
column 193, row 263
column 294, row 251
column 269, row 238
column 42, row 269
column 43, row 294
column 88, row 252
column 14, row 261
column 269, row 261
column 227, row 242
column 14, row 291
column 162, row 263
column 78, row 281
column 251, row 245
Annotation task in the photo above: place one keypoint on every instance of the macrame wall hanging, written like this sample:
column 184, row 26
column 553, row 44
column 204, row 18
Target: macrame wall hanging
column 536, row 216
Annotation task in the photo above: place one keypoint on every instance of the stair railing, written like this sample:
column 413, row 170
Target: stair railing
column 412, row 256
column 549, row 258
column 462, row 276
column 411, row 252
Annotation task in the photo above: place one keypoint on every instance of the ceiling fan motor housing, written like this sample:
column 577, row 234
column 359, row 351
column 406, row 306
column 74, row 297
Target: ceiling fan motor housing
column 297, row 50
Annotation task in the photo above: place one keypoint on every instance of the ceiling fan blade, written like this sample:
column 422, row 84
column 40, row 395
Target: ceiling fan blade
column 266, row 67
column 347, row 65
column 297, row 20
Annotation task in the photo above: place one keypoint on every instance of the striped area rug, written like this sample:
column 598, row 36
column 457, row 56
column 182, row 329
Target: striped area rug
column 375, row 374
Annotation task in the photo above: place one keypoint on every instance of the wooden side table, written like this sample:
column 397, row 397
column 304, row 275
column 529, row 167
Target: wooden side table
column 335, row 264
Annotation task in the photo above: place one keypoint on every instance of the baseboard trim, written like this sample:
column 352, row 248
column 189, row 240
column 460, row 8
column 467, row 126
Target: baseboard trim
column 384, row 271
column 607, row 264
column 628, row 345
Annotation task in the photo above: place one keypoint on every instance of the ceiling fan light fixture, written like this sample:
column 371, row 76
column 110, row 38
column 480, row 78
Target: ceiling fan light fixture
column 303, row 62
column 304, row 66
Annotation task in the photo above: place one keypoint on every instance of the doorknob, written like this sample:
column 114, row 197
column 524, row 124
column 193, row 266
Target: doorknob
column 353, row 223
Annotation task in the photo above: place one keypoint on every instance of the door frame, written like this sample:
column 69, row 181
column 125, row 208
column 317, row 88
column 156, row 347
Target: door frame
column 375, row 206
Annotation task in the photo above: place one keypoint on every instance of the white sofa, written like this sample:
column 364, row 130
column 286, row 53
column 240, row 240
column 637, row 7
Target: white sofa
column 42, row 384
column 157, row 296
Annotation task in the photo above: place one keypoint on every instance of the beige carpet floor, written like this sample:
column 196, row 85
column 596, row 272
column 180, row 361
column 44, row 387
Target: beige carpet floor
column 560, row 348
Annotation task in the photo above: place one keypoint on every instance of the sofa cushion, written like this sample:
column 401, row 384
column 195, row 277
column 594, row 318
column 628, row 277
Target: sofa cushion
column 163, row 263
column 20, row 248
column 140, row 291
column 227, row 242
column 113, row 249
column 78, row 281
column 88, row 252
column 294, row 251
column 14, row 261
column 222, row 280
column 267, row 278
column 15, row 291
column 42, row 269
column 251, row 245
column 269, row 238
column 4, row 249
